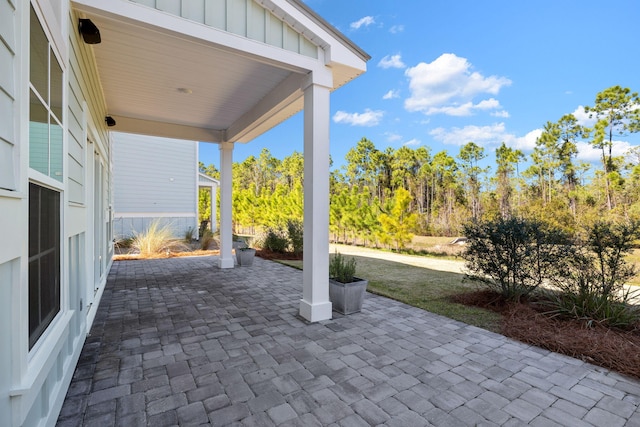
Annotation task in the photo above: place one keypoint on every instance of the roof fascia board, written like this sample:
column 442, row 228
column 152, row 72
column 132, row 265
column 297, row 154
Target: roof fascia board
column 207, row 178
column 309, row 21
column 157, row 20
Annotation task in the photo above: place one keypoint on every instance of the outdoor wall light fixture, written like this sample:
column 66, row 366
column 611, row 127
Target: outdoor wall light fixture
column 89, row 32
column 110, row 121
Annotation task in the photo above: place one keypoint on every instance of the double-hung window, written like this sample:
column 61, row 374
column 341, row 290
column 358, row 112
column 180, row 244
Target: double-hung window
column 45, row 157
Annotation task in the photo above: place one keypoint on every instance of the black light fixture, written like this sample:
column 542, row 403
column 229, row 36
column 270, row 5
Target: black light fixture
column 110, row 121
column 89, row 32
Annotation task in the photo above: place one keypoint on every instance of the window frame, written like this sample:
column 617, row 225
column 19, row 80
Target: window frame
column 40, row 254
column 36, row 338
column 55, row 113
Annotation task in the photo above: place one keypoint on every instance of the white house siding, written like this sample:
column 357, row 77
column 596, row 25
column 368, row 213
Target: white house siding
column 12, row 203
column 33, row 383
column 154, row 178
column 7, row 94
column 243, row 17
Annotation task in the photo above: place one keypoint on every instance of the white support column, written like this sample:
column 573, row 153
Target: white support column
column 315, row 305
column 226, row 236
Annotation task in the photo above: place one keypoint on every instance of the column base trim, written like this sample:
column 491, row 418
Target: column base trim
column 315, row 312
column 225, row 263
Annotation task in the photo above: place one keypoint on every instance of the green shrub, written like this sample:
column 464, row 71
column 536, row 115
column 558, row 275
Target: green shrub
column 295, row 231
column 514, row 256
column 275, row 241
column 592, row 286
column 342, row 269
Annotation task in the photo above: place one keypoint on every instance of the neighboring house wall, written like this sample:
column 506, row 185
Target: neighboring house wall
column 154, row 178
column 73, row 179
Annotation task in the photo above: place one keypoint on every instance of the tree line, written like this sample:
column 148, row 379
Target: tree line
column 383, row 197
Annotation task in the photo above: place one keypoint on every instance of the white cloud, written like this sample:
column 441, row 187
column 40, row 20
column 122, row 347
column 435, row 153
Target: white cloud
column 583, row 117
column 391, row 94
column 501, row 113
column 368, row 118
column 412, row 142
column 393, row 61
column 393, row 137
column 492, row 135
column 467, row 108
column 396, row 29
column 481, row 135
column 366, row 21
column 588, row 153
column 524, row 143
column 448, row 86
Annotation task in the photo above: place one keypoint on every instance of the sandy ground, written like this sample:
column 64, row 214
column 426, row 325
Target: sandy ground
column 431, row 263
column 417, row 261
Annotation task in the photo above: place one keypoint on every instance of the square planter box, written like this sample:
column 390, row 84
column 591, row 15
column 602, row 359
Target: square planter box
column 245, row 256
column 347, row 298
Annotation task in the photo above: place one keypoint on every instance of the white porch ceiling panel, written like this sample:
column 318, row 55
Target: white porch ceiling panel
column 236, row 88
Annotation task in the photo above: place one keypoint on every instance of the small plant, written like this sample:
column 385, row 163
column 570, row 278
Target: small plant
column 342, row 269
column 275, row 241
column 157, row 239
column 123, row 242
column 188, row 234
column 205, row 239
column 592, row 287
column 295, row 229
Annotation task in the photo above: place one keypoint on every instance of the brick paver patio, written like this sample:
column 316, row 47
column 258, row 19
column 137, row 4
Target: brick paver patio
column 180, row 342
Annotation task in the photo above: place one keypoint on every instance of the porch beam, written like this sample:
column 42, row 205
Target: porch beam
column 315, row 305
column 226, row 225
column 166, row 130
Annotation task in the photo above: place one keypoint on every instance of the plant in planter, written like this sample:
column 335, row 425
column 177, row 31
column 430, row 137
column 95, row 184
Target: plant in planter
column 346, row 292
column 245, row 256
column 244, row 253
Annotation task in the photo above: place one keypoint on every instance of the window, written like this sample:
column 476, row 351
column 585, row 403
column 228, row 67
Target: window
column 45, row 156
column 44, row 259
column 45, row 104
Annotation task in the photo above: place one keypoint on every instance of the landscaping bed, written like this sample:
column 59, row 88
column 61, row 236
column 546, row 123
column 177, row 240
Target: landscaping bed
column 528, row 321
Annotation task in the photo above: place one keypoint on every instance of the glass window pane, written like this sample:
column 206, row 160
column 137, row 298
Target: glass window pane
column 38, row 136
column 56, row 87
column 39, row 58
column 55, row 150
column 44, row 259
column 34, row 299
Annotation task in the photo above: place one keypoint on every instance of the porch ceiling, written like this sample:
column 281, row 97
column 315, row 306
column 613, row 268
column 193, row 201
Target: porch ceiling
column 232, row 95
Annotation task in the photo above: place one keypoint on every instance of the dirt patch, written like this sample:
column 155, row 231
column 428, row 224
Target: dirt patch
column 134, row 256
column 270, row 255
column 615, row 349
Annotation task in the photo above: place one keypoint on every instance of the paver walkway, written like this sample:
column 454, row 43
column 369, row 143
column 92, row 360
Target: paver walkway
column 180, row 342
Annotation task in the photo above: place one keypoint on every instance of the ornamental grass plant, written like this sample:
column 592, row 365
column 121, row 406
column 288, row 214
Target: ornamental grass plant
column 157, row 239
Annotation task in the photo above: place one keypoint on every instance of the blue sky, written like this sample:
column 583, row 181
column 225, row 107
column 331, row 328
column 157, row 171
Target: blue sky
column 446, row 72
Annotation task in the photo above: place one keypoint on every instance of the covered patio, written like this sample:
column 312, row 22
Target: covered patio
column 225, row 72
column 177, row 342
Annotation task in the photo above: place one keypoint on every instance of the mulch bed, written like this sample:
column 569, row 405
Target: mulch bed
column 615, row 349
column 269, row 255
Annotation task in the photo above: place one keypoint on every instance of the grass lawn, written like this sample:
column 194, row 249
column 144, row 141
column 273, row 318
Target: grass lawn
column 421, row 287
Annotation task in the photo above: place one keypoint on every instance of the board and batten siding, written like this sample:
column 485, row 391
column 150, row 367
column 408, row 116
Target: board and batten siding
column 8, row 154
column 153, row 178
column 245, row 18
